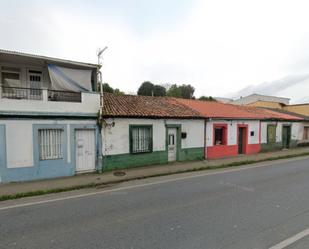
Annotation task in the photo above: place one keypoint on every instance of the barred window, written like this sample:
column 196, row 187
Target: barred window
column 50, row 142
column 140, row 139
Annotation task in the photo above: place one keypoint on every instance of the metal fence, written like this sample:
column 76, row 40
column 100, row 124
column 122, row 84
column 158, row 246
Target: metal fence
column 21, row 93
column 64, row 96
column 37, row 94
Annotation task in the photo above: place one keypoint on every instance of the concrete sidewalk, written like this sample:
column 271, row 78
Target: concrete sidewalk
column 141, row 172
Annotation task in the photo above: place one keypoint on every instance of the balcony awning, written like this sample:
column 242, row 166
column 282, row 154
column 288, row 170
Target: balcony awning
column 67, row 79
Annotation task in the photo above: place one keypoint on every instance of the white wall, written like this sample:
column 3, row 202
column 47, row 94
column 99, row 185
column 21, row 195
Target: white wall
column 24, row 77
column 194, row 130
column 264, row 131
column 90, row 104
column 19, row 140
column 116, row 139
column 232, row 131
column 296, row 130
column 257, row 97
column 19, row 144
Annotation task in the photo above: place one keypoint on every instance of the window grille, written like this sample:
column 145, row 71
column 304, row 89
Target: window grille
column 141, row 139
column 50, row 142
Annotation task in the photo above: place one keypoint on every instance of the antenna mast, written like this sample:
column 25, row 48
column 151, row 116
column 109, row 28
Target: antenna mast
column 100, row 82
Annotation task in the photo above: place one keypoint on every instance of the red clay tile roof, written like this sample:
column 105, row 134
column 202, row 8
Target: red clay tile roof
column 211, row 109
column 275, row 114
column 167, row 107
column 145, row 106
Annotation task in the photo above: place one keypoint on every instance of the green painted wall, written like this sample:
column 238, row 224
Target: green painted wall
column 277, row 146
column 191, row 154
column 271, row 147
column 123, row 161
column 293, row 143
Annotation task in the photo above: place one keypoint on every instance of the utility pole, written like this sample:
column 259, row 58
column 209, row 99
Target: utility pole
column 100, row 116
column 100, row 81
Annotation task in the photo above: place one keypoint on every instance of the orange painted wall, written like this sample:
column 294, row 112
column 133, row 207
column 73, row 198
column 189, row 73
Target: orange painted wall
column 300, row 109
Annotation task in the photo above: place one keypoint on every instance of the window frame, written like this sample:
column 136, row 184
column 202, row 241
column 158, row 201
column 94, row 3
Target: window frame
column 59, row 157
column 35, row 71
column 224, row 128
column 131, row 127
column 4, row 70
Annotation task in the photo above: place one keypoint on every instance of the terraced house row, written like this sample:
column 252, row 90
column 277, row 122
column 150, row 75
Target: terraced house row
column 141, row 130
column 54, row 122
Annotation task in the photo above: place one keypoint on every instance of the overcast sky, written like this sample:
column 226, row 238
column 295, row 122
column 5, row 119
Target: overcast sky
column 221, row 47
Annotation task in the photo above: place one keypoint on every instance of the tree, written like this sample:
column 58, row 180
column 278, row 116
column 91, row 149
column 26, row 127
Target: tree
column 167, row 86
column 183, row 91
column 118, row 92
column 174, row 91
column 149, row 89
column 146, row 89
column 187, row 91
column 108, row 89
column 210, row 98
column 159, row 91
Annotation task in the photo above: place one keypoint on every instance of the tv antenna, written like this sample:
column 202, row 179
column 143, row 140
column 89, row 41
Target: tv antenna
column 99, row 54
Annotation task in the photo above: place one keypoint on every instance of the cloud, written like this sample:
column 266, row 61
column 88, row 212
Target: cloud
column 217, row 46
column 276, row 87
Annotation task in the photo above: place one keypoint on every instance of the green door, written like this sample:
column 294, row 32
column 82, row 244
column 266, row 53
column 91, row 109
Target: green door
column 271, row 134
column 241, row 134
column 286, row 137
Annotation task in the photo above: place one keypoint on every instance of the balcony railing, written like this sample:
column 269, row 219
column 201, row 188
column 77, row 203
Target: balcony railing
column 54, row 95
column 39, row 94
column 21, row 93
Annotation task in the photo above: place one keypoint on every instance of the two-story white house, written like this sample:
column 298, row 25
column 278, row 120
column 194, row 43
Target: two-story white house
column 48, row 117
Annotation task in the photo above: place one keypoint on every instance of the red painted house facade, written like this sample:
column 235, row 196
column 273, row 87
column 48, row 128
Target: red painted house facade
column 232, row 130
column 225, row 138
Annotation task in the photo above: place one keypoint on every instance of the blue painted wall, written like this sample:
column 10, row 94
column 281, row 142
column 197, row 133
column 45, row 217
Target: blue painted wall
column 2, row 151
column 44, row 169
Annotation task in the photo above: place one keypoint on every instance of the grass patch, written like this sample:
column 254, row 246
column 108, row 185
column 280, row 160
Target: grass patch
column 93, row 185
column 44, row 192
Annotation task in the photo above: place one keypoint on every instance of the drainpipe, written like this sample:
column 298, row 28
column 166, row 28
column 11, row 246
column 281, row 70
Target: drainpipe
column 100, row 144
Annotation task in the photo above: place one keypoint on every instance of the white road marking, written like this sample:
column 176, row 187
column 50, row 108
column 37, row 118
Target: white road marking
column 236, row 186
column 144, row 185
column 291, row 240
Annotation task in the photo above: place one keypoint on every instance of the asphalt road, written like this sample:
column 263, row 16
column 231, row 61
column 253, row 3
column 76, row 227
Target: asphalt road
column 251, row 208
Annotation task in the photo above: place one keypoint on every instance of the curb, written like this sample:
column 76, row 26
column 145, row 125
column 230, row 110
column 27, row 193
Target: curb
column 94, row 185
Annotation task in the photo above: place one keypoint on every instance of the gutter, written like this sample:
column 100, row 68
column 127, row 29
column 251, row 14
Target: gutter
column 153, row 117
